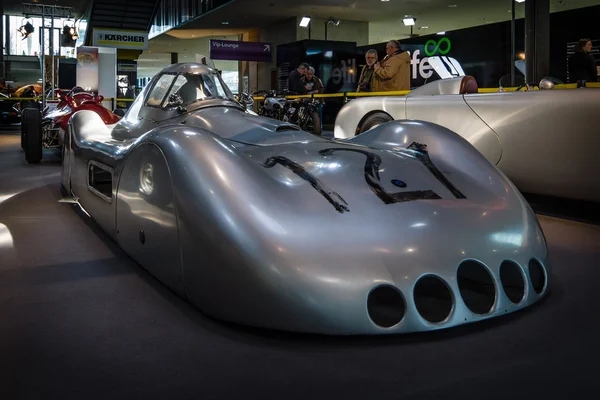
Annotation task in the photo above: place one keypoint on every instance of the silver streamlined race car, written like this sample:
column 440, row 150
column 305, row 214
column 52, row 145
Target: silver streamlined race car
column 545, row 141
column 257, row 222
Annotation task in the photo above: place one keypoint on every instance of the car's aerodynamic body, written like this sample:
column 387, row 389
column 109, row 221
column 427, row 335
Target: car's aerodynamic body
column 545, row 141
column 72, row 102
column 257, row 222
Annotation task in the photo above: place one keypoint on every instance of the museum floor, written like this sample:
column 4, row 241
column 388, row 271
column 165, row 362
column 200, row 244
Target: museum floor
column 79, row 319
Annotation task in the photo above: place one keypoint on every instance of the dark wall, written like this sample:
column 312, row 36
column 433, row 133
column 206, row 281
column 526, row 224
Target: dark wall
column 334, row 62
column 67, row 73
column 568, row 27
column 483, row 51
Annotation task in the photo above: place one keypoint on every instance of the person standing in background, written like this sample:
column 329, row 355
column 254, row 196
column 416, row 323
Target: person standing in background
column 294, row 82
column 393, row 72
column 312, row 83
column 366, row 75
column 582, row 65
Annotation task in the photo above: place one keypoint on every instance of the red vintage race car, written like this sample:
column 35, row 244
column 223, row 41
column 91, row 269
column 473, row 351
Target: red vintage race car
column 47, row 128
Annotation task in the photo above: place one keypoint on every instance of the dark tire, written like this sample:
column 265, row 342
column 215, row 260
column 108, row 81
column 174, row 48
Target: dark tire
column 373, row 120
column 32, row 136
column 316, row 123
column 23, row 127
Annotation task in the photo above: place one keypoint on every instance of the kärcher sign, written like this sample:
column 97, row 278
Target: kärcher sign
column 137, row 40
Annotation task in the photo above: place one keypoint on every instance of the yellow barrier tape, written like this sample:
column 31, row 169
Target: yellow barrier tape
column 404, row 92
column 595, row 85
column 50, row 100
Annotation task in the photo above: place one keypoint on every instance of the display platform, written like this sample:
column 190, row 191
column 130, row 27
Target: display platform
column 80, row 319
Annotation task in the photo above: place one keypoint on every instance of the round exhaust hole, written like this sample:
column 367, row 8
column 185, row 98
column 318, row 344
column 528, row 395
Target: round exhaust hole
column 433, row 299
column 537, row 275
column 386, row 306
column 513, row 281
column 476, row 286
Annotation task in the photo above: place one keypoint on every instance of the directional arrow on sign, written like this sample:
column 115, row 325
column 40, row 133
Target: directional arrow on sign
column 241, row 51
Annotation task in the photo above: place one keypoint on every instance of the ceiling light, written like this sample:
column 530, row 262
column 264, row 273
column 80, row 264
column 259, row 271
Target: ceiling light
column 408, row 20
column 385, row 0
column 225, row 23
column 424, row 27
column 305, row 21
column 452, row 5
column 441, row 33
column 333, row 21
column 520, row 1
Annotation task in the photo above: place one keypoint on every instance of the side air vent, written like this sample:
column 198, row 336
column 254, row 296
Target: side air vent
column 283, row 128
column 100, row 180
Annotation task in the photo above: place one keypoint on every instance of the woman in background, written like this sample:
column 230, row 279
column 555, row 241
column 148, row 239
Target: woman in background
column 582, row 65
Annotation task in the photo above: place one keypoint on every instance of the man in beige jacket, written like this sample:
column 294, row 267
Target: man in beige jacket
column 393, row 72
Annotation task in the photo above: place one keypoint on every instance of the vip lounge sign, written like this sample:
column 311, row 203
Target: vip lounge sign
column 420, row 66
column 240, row 51
column 134, row 40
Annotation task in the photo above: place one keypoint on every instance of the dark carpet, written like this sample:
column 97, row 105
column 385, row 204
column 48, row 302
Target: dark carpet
column 79, row 319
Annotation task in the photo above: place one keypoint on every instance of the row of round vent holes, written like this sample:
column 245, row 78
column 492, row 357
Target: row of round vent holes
column 386, row 305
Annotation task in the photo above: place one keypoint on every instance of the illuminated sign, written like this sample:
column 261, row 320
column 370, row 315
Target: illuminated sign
column 240, row 51
column 347, row 72
column 420, row 66
column 136, row 40
column 437, row 47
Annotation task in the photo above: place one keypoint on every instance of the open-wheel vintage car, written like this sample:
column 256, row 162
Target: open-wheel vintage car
column 541, row 139
column 46, row 129
column 260, row 223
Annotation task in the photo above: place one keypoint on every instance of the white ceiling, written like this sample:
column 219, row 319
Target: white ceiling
column 384, row 17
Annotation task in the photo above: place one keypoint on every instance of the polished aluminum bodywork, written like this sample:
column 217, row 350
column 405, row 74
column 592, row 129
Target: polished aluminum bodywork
column 257, row 222
column 545, row 141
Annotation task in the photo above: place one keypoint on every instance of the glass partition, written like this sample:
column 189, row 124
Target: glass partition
column 31, row 45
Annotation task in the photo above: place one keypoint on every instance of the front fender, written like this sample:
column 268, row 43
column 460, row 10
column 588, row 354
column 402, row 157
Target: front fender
column 353, row 113
column 450, row 152
column 226, row 207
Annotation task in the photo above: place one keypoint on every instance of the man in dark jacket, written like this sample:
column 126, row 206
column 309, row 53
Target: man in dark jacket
column 366, row 75
column 294, row 82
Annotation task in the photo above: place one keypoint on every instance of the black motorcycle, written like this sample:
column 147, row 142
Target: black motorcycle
column 303, row 112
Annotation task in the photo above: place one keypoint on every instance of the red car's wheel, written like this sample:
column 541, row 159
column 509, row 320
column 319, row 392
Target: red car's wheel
column 32, row 135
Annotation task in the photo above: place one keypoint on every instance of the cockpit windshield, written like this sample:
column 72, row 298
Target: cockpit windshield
column 190, row 87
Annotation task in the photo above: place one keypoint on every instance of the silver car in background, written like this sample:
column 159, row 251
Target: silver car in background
column 545, row 141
